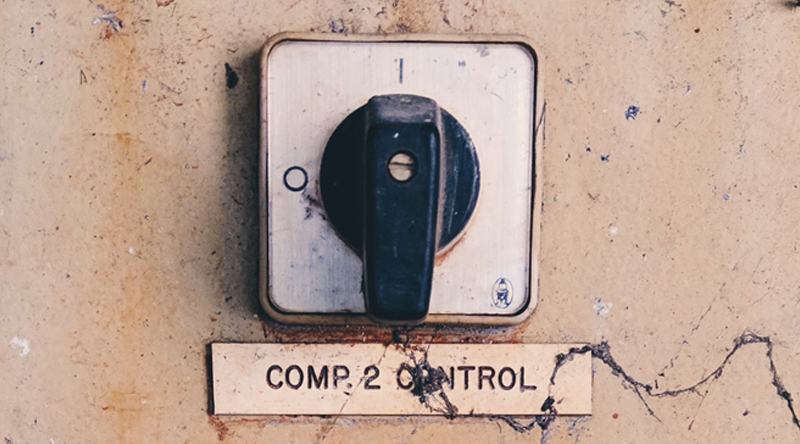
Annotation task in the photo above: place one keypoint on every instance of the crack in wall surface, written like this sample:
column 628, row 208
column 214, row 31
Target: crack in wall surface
column 427, row 381
column 602, row 352
column 428, row 384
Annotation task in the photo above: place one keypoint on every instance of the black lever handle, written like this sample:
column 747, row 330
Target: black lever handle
column 399, row 181
column 402, row 187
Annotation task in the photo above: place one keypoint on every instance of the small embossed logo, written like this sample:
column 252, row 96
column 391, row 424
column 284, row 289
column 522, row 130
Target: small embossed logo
column 502, row 293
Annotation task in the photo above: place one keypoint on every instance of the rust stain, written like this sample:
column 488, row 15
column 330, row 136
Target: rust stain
column 125, row 294
column 411, row 17
column 223, row 425
column 220, row 426
column 421, row 334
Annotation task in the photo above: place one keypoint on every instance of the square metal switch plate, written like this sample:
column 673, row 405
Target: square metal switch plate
column 311, row 82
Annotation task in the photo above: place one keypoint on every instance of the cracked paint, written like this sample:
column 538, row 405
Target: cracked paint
column 428, row 384
column 602, row 352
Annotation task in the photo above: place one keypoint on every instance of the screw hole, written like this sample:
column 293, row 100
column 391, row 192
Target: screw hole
column 402, row 167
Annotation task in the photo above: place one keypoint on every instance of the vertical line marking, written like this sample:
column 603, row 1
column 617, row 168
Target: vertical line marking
column 401, row 71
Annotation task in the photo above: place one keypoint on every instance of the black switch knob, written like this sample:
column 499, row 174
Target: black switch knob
column 399, row 181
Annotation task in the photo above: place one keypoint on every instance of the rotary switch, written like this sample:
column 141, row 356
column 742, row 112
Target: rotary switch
column 399, row 181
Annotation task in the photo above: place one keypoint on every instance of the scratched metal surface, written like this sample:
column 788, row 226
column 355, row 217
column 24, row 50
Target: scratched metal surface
column 128, row 216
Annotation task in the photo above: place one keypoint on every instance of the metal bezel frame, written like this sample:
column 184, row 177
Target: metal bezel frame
column 536, row 204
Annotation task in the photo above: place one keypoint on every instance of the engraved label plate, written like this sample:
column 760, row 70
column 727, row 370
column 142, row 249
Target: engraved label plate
column 376, row 379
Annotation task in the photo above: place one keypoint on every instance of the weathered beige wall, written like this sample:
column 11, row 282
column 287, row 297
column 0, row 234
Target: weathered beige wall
column 128, row 234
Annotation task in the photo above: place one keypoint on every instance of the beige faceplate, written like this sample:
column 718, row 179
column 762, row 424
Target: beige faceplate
column 311, row 83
